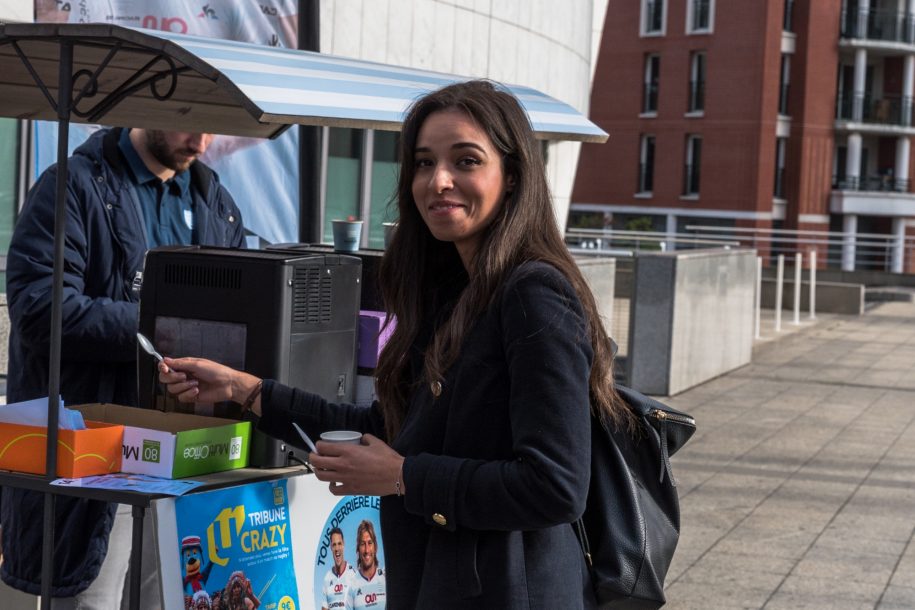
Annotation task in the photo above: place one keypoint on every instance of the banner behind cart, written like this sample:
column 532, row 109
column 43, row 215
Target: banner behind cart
column 254, row 170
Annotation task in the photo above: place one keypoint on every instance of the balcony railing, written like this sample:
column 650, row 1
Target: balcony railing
column 865, row 108
column 878, row 24
column 878, row 184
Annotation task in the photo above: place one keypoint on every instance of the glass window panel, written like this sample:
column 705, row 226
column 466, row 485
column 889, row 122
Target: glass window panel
column 344, row 172
column 384, row 185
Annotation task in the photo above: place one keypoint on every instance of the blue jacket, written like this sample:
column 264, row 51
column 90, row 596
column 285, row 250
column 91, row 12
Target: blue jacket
column 103, row 256
column 496, row 467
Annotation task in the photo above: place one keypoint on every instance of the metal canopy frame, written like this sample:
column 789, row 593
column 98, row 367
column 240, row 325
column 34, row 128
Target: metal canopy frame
column 158, row 74
column 102, row 82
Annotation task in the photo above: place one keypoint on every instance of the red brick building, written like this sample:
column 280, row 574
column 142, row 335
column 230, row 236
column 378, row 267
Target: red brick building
column 765, row 114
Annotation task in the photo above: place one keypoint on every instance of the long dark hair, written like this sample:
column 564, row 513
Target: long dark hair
column 416, row 267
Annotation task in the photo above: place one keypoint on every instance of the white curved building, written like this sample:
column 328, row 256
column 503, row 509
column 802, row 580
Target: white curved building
column 549, row 46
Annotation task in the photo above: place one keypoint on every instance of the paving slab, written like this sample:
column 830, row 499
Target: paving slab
column 798, row 489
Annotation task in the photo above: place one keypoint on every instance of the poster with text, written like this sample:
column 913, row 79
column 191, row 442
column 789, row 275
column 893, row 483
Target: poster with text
column 349, row 561
column 235, row 548
column 261, row 175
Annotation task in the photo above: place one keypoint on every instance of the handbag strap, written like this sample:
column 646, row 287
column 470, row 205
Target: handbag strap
column 582, row 535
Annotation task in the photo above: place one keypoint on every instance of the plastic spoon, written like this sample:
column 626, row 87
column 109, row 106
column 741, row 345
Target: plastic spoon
column 147, row 346
column 308, row 443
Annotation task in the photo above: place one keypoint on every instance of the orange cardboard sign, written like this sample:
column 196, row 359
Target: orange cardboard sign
column 80, row 453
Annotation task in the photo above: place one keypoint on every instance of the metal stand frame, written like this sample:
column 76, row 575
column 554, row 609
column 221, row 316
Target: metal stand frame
column 65, row 106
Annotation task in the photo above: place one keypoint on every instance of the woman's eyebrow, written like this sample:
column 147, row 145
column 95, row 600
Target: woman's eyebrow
column 455, row 146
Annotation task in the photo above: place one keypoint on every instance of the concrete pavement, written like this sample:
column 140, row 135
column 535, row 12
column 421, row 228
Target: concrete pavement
column 798, row 489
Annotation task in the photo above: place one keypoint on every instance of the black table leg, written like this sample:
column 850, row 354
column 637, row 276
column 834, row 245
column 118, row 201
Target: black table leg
column 136, row 557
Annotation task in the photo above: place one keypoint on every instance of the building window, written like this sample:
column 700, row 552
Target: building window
column 383, row 194
column 789, row 14
column 343, row 194
column 780, row 146
column 699, row 15
column 697, row 82
column 646, row 165
column 653, row 14
column 784, row 80
column 650, row 91
column 693, row 164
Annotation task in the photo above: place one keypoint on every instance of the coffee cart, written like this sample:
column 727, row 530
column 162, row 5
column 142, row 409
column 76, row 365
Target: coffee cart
column 120, row 76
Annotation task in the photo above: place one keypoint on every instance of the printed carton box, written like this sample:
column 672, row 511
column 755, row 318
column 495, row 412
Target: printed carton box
column 175, row 445
column 80, row 453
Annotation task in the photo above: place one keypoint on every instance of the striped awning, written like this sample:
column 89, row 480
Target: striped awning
column 147, row 78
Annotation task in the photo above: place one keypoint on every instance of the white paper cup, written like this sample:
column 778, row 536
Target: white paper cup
column 347, row 234
column 342, row 436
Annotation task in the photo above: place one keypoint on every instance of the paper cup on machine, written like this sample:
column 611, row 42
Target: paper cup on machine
column 347, row 234
column 342, row 436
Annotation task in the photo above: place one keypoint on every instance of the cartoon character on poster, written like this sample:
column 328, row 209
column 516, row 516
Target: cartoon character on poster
column 349, row 562
column 236, row 549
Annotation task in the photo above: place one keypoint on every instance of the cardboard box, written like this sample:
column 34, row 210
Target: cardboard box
column 371, row 337
column 175, row 445
column 80, row 453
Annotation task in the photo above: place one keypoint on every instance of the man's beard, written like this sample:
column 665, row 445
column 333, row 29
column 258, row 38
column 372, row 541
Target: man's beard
column 158, row 148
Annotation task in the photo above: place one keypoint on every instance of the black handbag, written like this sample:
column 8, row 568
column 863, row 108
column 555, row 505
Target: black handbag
column 631, row 524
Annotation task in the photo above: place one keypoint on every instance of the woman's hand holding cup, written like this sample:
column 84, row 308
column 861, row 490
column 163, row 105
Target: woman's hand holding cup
column 369, row 468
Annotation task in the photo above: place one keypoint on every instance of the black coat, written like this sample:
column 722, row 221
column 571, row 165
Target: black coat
column 496, row 467
column 103, row 253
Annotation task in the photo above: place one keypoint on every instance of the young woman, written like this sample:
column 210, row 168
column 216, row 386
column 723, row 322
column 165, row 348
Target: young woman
column 479, row 442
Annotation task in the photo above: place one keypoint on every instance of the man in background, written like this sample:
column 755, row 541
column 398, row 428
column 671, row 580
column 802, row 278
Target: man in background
column 127, row 191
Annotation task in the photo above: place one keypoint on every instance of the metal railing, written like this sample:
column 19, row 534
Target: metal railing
column 613, row 242
column 836, row 249
column 868, row 108
column 868, row 251
column 878, row 184
column 878, row 24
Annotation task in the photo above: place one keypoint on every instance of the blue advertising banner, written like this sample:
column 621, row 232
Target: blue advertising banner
column 235, row 548
column 262, row 175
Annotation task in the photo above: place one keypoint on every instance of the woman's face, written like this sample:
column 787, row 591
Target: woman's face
column 458, row 181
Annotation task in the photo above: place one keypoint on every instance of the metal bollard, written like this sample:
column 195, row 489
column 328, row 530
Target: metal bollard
column 813, row 284
column 779, row 288
column 758, row 295
column 798, row 261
